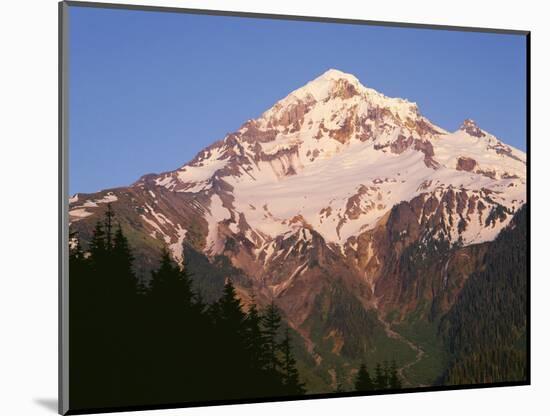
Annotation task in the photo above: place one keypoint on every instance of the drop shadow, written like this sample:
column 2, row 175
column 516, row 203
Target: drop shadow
column 49, row 404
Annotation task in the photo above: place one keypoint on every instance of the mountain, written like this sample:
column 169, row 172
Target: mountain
column 349, row 209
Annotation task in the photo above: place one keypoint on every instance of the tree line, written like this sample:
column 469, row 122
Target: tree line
column 132, row 343
column 384, row 377
column 485, row 331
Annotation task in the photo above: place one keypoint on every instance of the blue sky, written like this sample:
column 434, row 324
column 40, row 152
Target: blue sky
column 148, row 90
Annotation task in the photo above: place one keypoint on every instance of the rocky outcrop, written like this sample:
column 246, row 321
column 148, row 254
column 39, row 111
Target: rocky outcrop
column 470, row 127
column 466, row 164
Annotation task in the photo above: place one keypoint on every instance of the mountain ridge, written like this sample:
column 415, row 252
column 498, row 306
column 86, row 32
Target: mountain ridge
column 278, row 142
column 335, row 192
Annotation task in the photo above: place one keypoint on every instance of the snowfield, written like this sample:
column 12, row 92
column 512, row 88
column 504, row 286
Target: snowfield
column 335, row 156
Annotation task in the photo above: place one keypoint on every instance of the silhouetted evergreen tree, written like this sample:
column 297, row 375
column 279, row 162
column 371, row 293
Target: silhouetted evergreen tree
column 121, row 266
column 363, row 381
column 291, row 378
column 228, row 314
column 174, row 318
column 380, row 380
column 271, row 323
column 393, row 381
column 109, row 215
column 83, row 350
column 170, row 286
column 102, row 321
column 98, row 247
column 230, row 329
column 256, row 340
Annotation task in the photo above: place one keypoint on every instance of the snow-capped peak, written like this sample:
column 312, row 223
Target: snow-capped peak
column 336, row 74
column 338, row 102
column 338, row 156
column 337, row 84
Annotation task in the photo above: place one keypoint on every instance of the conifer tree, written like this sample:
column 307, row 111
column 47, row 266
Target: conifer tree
column 363, row 381
column 228, row 310
column 98, row 247
column 386, row 374
column 109, row 215
column 230, row 327
column 256, row 344
column 164, row 345
column 124, row 284
column 171, row 285
column 102, row 299
column 291, row 378
column 173, row 340
column 81, row 323
column 271, row 323
column 394, row 381
column 379, row 378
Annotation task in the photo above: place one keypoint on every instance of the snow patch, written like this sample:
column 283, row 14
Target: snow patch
column 217, row 213
column 152, row 224
column 110, row 197
column 79, row 213
column 177, row 247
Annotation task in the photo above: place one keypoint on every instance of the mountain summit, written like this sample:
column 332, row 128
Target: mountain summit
column 338, row 156
column 332, row 185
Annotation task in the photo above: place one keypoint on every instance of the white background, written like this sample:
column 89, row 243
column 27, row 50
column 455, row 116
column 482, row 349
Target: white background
column 28, row 205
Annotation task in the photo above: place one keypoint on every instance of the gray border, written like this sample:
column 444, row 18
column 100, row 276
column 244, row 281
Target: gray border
column 63, row 171
column 210, row 12
column 63, row 108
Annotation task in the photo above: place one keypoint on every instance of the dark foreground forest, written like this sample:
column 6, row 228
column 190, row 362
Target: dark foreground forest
column 133, row 343
column 160, row 343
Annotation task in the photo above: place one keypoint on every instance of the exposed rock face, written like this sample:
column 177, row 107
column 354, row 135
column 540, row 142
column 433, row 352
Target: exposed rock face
column 426, row 147
column 291, row 118
column 336, row 192
column 343, row 89
column 252, row 134
column 465, row 163
column 470, row 127
column 401, row 144
column 413, row 242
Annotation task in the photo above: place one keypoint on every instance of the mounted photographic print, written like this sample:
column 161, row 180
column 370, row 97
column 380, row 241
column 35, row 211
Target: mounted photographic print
column 262, row 208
